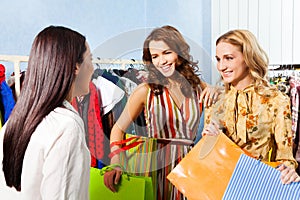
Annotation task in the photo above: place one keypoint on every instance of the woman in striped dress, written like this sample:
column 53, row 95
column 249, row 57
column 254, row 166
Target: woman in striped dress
column 171, row 101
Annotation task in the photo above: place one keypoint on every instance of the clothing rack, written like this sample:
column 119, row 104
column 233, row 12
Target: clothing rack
column 284, row 70
column 101, row 63
column 284, row 66
column 115, row 63
column 16, row 60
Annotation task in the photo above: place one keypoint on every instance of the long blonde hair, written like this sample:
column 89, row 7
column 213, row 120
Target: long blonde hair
column 255, row 58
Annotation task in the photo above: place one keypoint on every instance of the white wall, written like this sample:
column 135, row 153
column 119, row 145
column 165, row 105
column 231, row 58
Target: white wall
column 114, row 29
column 275, row 23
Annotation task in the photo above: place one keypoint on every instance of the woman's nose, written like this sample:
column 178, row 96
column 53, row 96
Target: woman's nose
column 222, row 65
column 162, row 60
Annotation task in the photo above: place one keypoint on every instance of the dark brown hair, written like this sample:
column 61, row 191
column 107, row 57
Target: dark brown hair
column 51, row 72
column 185, row 66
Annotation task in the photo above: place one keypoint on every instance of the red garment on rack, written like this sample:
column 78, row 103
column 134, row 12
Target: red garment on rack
column 95, row 133
column 2, row 73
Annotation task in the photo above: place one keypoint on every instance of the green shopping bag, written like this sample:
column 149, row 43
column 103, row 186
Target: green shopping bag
column 130, row 187
column 138, row 156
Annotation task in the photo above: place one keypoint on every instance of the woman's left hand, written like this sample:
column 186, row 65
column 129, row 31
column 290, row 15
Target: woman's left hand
column 209, row 95
column 288, row 175
column 212, row 129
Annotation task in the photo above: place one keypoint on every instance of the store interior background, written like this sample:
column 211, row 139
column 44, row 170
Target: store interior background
column 114, row 29
column 117, row 29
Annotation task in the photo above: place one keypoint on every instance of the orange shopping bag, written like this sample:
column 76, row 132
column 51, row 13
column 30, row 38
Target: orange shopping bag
column 205, row 171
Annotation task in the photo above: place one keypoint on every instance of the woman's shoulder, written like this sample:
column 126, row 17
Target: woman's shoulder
column 275, row 97
column 281, row 97
column 142, row 89
column 62, row 115
column 139, row 95
column 62, row 120
column 60, row 124
column 143, row 85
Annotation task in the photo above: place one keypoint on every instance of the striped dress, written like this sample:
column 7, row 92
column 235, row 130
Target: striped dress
column 166, row 120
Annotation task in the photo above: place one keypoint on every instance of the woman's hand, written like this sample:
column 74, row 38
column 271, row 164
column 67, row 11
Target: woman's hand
column 212, row 128
column 288, row 175
column 112, row 178
column 209, row 95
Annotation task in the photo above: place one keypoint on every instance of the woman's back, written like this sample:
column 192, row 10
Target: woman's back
column 57, row 141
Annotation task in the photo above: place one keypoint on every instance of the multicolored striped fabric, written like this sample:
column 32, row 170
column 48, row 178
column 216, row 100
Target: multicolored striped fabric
column 168, row 121
column 140, row 158
column 254, row 180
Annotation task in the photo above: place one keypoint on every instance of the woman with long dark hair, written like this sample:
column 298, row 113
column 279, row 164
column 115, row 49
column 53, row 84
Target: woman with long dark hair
column 44, row 150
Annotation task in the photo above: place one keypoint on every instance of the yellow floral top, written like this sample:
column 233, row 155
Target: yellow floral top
column 259, row 124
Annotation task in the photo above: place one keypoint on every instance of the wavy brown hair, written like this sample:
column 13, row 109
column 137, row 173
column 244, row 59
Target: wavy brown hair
column 186, row 67
column 51, row 72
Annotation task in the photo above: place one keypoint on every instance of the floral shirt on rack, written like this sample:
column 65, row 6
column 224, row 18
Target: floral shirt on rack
column 261, row 125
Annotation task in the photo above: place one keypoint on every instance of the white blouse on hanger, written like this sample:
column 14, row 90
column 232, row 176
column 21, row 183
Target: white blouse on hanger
column 57, row 160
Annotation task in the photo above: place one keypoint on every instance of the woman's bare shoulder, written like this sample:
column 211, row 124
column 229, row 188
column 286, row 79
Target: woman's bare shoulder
column 142, row 89
column 140, row 93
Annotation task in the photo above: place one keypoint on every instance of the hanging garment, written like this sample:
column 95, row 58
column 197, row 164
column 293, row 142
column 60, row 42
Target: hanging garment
column 11, row 83
column 133, row 74
column 295, row 98
column 129, row 85
column 105, row 74
column 111, row 94
column 0, row 120
column 295, row 104
column 7, row 101
column 89, row 110
column 165, row 120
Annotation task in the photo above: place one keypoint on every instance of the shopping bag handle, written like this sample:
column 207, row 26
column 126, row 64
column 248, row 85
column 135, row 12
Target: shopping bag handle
column 120, row 142
column 125, row 147
column 110, row 167
column 208, row 145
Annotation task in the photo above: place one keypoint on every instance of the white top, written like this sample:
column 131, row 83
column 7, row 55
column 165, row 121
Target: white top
column 57, row 160
column 111, row 94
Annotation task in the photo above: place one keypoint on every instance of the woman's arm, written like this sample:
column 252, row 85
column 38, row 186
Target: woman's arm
column 284, row 141
column 133, row 108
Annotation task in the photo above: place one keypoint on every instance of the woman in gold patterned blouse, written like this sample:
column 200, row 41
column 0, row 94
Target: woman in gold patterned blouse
column 252, row 113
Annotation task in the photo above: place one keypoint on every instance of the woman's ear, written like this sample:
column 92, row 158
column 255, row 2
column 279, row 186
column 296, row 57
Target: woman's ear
column 77, row 68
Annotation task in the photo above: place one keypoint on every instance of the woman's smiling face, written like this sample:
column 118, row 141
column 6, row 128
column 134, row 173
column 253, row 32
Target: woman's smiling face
column 163, row 58
column 231, row 65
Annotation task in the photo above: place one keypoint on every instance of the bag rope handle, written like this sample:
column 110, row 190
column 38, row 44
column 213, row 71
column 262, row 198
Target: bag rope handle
column 112, row 167
column 126, row 147
column 120, row 142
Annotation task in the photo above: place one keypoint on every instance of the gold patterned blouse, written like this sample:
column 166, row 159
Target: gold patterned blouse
column 259, row 124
